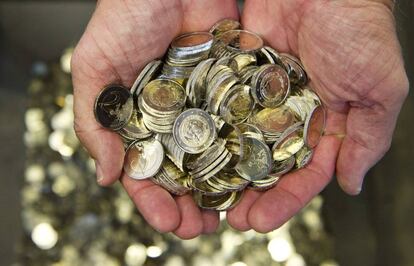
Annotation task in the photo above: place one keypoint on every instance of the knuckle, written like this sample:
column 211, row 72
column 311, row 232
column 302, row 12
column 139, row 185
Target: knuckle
column 404, row 87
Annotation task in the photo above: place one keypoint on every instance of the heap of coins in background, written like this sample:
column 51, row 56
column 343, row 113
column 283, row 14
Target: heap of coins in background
column 67, row 219
column 220, row 113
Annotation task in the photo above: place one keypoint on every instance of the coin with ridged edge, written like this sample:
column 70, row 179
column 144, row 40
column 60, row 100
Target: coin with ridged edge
column 194, row 131
column 164, row 95
column 143, row 158
column 114, row 107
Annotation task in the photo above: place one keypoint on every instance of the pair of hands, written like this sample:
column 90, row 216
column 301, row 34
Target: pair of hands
column 350, row 51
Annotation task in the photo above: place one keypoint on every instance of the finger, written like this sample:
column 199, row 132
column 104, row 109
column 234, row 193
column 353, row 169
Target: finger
column 201, row 15
column 237, row 217
column 268, row 19
column 296, row 189
column 369, row 136
column 211, row 221
column 156, row 205
column 112, row 50
column 104, row 146
column 191, row 224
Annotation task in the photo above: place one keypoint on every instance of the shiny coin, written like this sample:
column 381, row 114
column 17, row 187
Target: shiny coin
column 289, row 143
column 295, row 69
column 229, row 180
column 241, row 41
column 271, row 86
column 164, row 95
column 241, row 61
column 218, row 90
column 225, row 25
column 282, row 167
column 303, row 157
column 143, row 159
column 114, row 107
column 200, row 172
column 275, row 120
column 194, row 131
column 257, row 161
column 277, row 58
column 315, row 126
column 250, row 130
column 201, row 161
column 219, row 203
column 196, row 85
column 146, row 75
column 234, row 143
column 237, row 104
column 190, row 42
column 135, row 128
column 266, row 57
column 265, row 184
column 172, row 179
column 173, row 151
column 206, row 189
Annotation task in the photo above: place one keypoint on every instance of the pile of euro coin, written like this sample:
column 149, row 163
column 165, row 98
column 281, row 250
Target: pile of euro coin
column 220, row 113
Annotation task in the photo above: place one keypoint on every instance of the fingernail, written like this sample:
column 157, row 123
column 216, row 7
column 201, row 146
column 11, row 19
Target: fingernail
column 351, row 189
column 99, row 175
column 358, row 190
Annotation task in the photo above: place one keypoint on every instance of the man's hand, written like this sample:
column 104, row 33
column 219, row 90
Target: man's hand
column 349, row 49
column 352, row 55
column 120, row 39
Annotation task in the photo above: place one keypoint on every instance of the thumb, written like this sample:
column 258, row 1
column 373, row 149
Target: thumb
column 369, row 133
column 103, row 145
column 106, row 149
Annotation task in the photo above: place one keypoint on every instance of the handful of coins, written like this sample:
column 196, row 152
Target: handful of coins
column 219, row 114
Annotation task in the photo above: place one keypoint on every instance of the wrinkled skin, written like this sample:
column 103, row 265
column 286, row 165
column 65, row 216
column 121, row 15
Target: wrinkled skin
column 349, row 49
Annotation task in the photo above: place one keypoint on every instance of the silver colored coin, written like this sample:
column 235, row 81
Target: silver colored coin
column 257, row 161
column 303, row 157
column 206, row 168
column 225, row 25
column 265, row 184
column 146, row 75
column 266, row 56
column 194, row 131
column 282, row 167
column 271, row 86
column 213, row 169
column 237, row 104
column 193, row 42
column 135, row 128
column 196, row 85
column 143, row 159
column 164, row 95
column 276, row 56
column 201, row 161
column 289, row 143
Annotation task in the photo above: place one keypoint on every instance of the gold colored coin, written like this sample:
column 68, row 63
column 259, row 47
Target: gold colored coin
column 275, row 120
column 164, row 95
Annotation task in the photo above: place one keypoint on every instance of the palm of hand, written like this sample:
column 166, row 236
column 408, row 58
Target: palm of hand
column 114, row 48
column 352, row 56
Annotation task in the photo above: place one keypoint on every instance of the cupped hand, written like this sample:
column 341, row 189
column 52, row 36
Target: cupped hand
column 120, row 39
column 352, row 56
